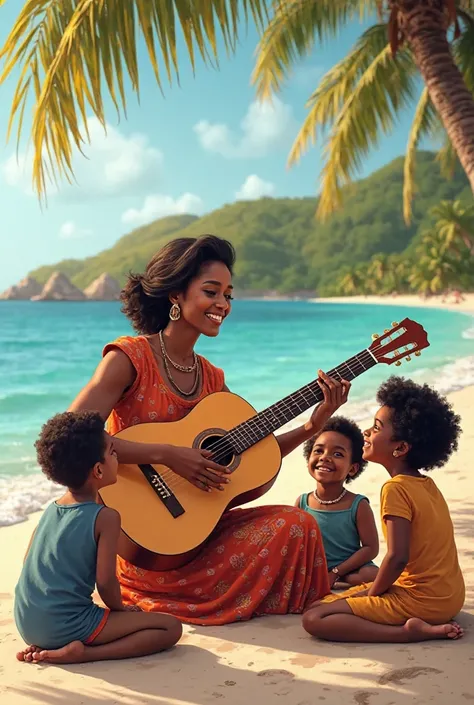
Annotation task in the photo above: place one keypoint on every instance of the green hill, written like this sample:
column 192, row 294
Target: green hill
column 280, row 245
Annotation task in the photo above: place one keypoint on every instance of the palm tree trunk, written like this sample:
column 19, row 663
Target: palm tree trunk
column 424, row 24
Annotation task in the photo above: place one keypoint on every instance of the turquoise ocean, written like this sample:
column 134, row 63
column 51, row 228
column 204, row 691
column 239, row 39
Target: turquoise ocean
column 268, row 349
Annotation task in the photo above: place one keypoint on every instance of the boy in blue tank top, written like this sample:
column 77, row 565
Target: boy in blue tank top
column 346, row 520
column 74, row 548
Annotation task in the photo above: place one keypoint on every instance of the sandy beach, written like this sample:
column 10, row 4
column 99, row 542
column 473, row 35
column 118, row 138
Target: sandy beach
column 465, row 306
column 270, row 658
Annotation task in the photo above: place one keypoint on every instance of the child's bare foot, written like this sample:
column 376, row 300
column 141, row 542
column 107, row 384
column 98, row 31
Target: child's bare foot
column 27, row 654
column 422, row 630
column 72, row 653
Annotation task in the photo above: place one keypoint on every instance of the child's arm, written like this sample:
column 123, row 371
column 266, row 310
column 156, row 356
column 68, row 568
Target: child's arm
column 398, row 552
column 108, row 531
column 297, row 503
column 369, row 539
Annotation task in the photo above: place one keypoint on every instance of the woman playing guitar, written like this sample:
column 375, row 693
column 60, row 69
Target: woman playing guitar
column 263, row 560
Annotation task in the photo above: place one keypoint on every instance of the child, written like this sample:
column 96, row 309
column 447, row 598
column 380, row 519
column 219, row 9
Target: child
column 74, row 547
column 346, row 520
column 419, row 587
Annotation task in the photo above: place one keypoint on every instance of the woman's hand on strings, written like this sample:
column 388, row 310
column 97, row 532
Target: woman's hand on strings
column 196, row 466
column 335, row 395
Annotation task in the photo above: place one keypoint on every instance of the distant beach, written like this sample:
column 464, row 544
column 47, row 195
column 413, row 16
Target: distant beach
column 411, row 300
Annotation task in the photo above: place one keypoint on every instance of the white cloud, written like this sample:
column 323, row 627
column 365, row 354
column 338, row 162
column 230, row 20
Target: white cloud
column 254, row 188
column 70, row 231
column 265, row 126
column 114, row 165
column 160, row 205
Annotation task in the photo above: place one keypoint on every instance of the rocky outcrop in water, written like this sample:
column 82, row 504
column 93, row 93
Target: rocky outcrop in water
column 23, row 291
column 104, row 288
column 59, row 288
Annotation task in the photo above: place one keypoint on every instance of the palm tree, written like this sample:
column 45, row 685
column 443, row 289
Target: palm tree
column 348, row 284
column 455, row 224
column 435, row 270
column 70, row 52
column 444, row 256
column 353, row 282
column 360, row 97
column 378, row 269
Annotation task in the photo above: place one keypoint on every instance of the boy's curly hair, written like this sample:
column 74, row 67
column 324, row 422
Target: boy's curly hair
column 69, row 446
column 349, row 429
column 422, row 418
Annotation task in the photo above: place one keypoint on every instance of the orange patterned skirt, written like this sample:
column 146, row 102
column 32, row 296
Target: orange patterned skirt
column 267, row 560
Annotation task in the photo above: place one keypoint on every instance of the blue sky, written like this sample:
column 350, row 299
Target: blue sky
column 203, row 144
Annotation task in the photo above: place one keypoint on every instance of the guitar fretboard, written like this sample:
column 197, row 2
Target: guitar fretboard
column 249, row 432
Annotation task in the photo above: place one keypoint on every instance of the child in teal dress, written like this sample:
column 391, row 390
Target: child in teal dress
column 346, row 520
column 73, row 548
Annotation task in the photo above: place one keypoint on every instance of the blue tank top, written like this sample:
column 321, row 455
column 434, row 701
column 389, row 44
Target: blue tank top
column 53, row 597
column 338, row 529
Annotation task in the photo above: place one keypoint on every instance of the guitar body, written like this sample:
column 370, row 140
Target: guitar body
column 165, row 519
column 151, row 537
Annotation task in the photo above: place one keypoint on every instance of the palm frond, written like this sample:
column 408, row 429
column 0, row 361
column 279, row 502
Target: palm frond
column 425, row 123
column 292, row 32
column 455, row 221
column 70, row 51
column 358, row 99
column 336, row 87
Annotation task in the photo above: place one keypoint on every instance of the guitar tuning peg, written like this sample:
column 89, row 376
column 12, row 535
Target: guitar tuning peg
column 408, row 358
column 394, row 323
column 418, row 353
column 386, row 330
column 375, row 336
column 398, row 363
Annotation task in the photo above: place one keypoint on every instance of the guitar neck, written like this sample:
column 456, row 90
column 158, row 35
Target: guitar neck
column 274, row 417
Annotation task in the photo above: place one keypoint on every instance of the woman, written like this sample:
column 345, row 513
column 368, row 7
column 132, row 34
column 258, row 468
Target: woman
column 264, row 560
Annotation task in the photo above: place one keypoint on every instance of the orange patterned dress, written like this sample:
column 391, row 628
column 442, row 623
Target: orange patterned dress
column 263, row 560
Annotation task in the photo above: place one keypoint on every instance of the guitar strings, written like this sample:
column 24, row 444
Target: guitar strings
column 284, row 404
column 223, row 447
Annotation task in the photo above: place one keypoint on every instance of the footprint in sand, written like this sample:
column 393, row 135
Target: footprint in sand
column 402, row 674
column 362, row 698
column 276, row 676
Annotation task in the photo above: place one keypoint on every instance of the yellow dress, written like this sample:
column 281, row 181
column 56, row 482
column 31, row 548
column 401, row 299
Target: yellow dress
column 431, row 586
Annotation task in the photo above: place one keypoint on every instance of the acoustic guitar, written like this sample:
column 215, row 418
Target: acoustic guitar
column 165, row 519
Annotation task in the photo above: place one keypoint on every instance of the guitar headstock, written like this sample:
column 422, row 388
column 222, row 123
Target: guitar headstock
column 401, row 341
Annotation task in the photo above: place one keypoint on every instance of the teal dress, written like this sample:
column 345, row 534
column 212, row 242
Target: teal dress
column 53, row 597
column 339, row 530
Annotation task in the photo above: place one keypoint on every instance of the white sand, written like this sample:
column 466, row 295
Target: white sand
column 269, row 660
column 466, row 306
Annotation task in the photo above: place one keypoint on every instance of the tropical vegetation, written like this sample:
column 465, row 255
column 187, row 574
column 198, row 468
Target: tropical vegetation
column 359, row 99
column 439, row 260
column 281, row 247
column 69, row 53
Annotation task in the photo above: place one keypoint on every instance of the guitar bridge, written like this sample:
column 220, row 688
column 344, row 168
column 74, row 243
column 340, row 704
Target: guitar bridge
column 161, row 489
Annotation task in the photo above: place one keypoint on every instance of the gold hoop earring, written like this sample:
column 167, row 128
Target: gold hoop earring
column 175, row 312
column 395, row 454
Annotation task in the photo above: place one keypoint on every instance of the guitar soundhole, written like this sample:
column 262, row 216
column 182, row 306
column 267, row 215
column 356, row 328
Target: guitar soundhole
column 215, row 441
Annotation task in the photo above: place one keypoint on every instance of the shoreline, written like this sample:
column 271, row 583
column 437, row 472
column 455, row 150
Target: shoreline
column 405, row 300
column 272, row 656
column 22, row 495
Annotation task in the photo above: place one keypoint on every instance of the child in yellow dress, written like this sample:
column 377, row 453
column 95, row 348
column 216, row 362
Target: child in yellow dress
column 419, row 587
